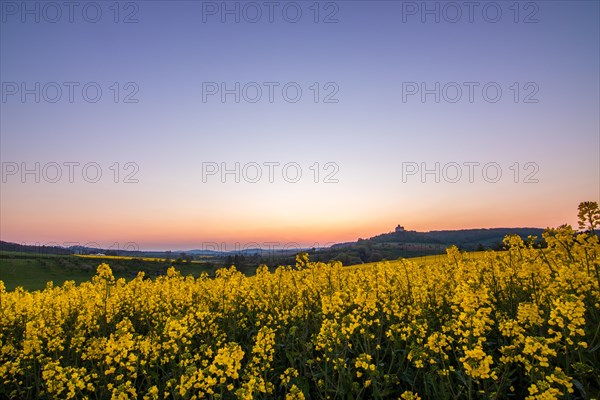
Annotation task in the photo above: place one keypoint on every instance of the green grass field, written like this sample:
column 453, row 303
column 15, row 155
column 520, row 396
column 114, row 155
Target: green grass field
column 32, row 271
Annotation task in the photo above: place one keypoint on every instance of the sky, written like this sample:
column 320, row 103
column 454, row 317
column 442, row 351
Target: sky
column 185, row 124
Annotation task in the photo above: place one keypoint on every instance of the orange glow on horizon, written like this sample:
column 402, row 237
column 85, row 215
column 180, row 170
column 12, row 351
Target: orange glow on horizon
column 154, row 236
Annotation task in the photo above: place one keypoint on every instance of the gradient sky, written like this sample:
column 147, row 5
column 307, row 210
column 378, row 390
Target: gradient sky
column 371, row 55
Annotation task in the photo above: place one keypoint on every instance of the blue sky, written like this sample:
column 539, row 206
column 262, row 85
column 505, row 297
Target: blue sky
column 373, row 51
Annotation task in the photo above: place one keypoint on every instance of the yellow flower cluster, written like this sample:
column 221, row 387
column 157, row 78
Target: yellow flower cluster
column 520, row 323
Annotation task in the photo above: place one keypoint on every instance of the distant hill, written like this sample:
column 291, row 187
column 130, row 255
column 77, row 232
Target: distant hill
column 8, row 246
column 60, row 250
column 407, row 243
column 470, row 237
column 462, row 238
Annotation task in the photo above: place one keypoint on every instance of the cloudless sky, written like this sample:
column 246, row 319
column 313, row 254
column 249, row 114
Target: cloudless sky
column 162, row 130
